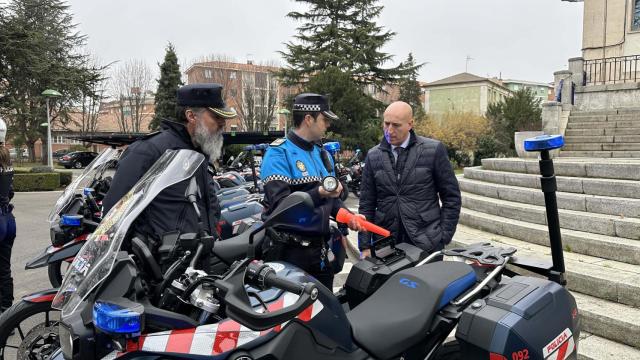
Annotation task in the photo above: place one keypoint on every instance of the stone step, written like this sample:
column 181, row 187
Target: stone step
column 569, row 219
column 595, row 112
column 585, row 132
column 583, row 147
column 627, row 147
column 578, row 185
column 591, row 125
column 600, row 154
column 570, row 133
column 624, row 117
column 623, row 207
column 627, row 169
column 592, row 347
column 579, row 242
column 587, row 118
column 621, row 131
column 581, row 139
column 604, row 290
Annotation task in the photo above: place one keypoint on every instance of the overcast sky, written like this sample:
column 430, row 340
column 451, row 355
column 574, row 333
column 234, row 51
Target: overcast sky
column 522, row 39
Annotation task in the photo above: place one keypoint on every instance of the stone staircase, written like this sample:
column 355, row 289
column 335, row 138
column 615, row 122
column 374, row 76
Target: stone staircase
column 599, row 208
column 603, row 134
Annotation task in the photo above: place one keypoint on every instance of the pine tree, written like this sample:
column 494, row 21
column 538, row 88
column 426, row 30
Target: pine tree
column 341, row 34
column 520, row 112
column 337, row 52
column 169, row 82
column 40, row 49
column 410, row 90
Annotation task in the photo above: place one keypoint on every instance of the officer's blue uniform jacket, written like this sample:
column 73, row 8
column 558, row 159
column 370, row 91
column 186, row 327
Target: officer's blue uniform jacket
column 294, row 164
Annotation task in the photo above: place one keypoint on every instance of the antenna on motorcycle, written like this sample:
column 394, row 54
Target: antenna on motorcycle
column 193, row 190
column 544, row 144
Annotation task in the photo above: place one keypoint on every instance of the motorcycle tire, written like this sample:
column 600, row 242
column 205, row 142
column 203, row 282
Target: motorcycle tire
column 55, row 274
column 19, row 343
column 449, row 351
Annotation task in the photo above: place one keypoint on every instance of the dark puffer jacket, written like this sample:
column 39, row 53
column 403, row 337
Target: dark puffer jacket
column 413, row 197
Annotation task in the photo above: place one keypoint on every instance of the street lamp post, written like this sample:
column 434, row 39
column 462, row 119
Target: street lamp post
column 286, row 113
column 49, row 93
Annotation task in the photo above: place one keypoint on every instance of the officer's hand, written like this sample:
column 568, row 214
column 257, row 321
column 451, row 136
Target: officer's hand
column 333, row 194
column 365, row 253
column 354, row 223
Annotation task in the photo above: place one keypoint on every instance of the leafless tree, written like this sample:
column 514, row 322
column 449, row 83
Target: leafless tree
column 130, row 87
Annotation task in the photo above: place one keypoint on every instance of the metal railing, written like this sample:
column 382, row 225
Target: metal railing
column 615, row 70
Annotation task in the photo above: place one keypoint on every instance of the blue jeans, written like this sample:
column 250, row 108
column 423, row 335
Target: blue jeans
column 7, row 235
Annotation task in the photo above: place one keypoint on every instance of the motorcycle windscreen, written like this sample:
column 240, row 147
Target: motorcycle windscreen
column 94, row 170
column 95, row 260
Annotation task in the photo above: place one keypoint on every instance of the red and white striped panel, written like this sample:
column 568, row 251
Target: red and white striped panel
column 561, row 347
column 215, row 338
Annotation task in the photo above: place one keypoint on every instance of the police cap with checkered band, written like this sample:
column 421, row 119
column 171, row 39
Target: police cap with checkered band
column 309, row 102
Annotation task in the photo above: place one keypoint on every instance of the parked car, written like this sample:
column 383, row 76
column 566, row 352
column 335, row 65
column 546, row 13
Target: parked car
column 77, row 159
column 13, row 153
column 60, row 153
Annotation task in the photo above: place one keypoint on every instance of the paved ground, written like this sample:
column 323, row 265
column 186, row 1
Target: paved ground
column 31, row 211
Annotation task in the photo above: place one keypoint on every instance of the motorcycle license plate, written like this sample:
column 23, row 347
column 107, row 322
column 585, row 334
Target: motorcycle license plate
column 348, row 177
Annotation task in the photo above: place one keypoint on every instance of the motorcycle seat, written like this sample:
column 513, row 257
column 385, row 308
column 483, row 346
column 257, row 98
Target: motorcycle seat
column 399, row 314
column 235, row 248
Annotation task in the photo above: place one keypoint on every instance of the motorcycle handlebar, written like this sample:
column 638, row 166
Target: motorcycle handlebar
column 264, row 277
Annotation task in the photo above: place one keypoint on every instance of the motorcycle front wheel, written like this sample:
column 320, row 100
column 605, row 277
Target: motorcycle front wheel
column 56, row 272
column 29, row 331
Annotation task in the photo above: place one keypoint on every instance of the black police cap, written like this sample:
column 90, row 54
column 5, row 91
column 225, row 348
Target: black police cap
column 309, row 102
column 207, row 96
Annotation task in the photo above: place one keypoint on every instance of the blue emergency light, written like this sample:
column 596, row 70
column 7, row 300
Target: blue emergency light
column 333, row 147
column 257, row 147
column 544, row 142
column 87, row 191
column 71, row 220
column 116, row 319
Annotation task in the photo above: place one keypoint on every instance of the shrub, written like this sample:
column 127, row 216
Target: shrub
column 41, row 169
column 65, row 177
column 36, row 182
column 460, row 132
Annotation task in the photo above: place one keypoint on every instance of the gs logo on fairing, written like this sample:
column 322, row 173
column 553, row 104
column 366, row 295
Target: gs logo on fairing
column 408, row 283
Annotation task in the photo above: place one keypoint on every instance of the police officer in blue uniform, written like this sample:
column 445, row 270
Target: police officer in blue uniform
column 299, row 163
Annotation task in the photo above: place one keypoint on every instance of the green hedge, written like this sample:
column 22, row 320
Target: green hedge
column 65, row 177
column 36, row 182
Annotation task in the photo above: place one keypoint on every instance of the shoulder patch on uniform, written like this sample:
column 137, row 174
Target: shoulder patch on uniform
column 278, row 142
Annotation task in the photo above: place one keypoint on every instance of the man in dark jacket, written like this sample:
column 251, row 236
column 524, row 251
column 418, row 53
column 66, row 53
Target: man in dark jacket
column 408, row 185
column 201, row 116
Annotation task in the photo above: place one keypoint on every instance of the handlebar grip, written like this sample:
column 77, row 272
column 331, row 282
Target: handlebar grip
column 264, row 277
column 273, row 280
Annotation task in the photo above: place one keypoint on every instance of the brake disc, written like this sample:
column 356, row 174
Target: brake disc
column 40, row 343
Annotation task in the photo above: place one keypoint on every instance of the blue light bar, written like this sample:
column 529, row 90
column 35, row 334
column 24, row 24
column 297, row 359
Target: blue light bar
column 71, row 220
column 87, row 191
column 332, row 147
column 115, row 319
column 257, row 147
column 544, row 142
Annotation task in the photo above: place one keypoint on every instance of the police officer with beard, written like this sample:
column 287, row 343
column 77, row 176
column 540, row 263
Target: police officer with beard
column 201, row 118
column 298, row 163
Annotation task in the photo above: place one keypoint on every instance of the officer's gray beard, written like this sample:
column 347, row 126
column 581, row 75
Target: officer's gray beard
column 209, row 142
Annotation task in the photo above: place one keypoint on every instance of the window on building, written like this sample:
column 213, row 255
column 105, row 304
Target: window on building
column 232, row 75
column 208, row 74
column 233, row 92
column 635, row 23
column 261, row 80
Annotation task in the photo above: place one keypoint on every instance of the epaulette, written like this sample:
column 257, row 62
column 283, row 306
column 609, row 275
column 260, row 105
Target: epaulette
column 278, row 142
